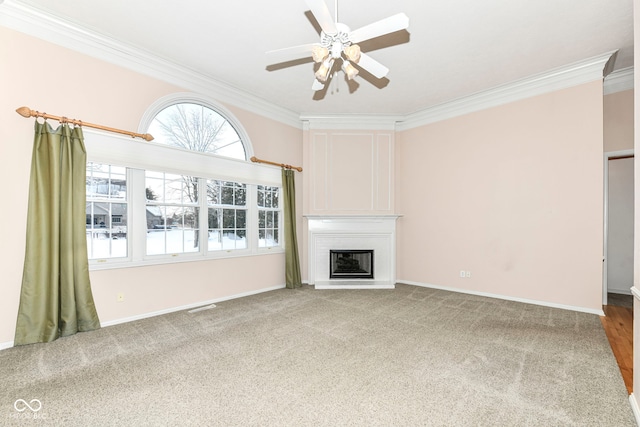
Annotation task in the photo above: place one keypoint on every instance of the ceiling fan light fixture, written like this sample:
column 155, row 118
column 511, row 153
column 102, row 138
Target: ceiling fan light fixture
column 319, row 53
column 336, row 49
column 349, row 70
column 325, row 68
column 352, row 53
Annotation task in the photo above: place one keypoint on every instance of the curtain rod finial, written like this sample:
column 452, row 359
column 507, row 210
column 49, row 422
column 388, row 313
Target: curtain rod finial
column 24, row 111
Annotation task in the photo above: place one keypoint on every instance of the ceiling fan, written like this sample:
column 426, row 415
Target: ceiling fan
column 338, row 45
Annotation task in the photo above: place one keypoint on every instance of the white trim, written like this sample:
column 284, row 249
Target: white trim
column 635, row 408
column 618, row 81
column 636, row 292
column 605, row 226
column 30, row 20
column 120, row 150
column 350, row 121
column 507, row 298
column 188, row 306
column 9, row 344
column 577, row 73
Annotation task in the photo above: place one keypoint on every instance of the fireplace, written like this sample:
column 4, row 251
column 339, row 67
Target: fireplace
column 368, row 239
column 351, row 264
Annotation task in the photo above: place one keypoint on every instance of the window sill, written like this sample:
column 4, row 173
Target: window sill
column 181, row 258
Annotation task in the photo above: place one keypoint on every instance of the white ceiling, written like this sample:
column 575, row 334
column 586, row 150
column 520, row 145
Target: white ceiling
column 451, row 49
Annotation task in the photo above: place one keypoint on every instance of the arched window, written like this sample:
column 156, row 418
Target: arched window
column 190, row 194
column 193, row 126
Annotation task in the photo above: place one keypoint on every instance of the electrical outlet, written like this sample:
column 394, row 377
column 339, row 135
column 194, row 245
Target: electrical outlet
column 462, row 273
column 120, row 297
column 468, row 274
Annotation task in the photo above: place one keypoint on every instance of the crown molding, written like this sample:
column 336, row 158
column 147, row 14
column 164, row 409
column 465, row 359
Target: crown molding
column 350, row 121
column 18, row 16
column 618, row 81
column 574, row 74
column 32, row 21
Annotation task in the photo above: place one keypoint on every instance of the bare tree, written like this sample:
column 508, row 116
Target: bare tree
column 193, row 128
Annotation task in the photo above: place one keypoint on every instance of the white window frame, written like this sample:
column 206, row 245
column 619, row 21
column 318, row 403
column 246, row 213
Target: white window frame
column 138, row 156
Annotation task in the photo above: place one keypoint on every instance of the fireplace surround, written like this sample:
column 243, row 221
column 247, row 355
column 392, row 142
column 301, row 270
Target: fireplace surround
column 359, row 234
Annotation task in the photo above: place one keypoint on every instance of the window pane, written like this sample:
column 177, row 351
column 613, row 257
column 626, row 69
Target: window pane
column 215, row 240
column 268, row 216
column 241, row 195
column 214, row 217
column 241, row 218
column 228, row 218
column 241, row 242
column 260, row 196
column 106, row 222
column 213, row 192
column 227, row 195
column 197, row 128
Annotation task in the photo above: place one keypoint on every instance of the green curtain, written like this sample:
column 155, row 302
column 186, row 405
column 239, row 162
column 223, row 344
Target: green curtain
column 56, row 298
column 292, row 260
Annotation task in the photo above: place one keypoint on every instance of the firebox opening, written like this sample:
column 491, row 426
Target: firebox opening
column 351, row 264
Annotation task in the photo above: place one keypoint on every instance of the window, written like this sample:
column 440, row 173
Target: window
column 106, row 211
column 268, row 216
column 194, row 127
column 227, row 215
column 179, row 200
column 172, row 213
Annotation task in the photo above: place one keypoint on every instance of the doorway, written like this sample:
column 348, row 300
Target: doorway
column 619, row 223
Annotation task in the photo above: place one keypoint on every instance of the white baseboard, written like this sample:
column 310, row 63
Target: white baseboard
column 9, row 344
column 505, row 297
column 635, row 408
column 187, row 307
column 620, row 291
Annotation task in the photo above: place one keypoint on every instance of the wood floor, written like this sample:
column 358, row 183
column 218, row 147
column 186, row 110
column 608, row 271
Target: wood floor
column 618, row 324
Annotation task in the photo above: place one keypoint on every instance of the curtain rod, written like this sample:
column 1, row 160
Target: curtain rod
column 27, row 112
column 282, row 165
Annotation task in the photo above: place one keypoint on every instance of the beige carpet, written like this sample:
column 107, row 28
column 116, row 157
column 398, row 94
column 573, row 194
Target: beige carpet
column 404, row 357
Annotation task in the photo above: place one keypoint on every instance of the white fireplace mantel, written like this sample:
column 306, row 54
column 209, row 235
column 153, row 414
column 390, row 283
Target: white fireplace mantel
column 377, row 232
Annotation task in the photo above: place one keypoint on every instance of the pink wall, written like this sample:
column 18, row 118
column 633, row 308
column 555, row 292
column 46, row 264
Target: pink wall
column 618, row 121
column 512, row 194
column 52, row 79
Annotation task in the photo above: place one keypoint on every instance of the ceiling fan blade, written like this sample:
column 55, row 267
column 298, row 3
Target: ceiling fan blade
column 369, row 64
column 317, row 85
column 290, row 53
column 323, row 16
column 385, row 26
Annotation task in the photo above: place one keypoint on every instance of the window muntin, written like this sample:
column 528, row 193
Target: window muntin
column 106, row 211
column 196, row 127
column 268, row 216
column 227, row 215
column 172, row 213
